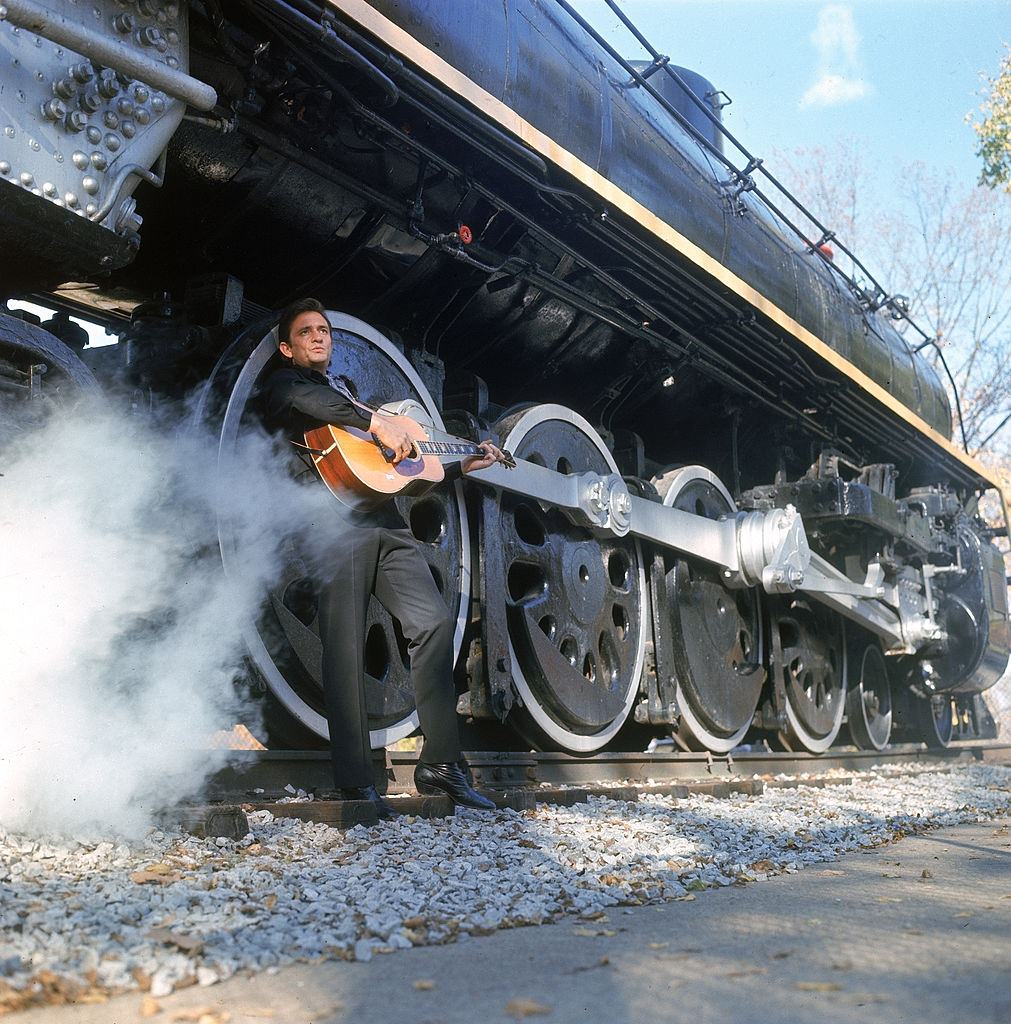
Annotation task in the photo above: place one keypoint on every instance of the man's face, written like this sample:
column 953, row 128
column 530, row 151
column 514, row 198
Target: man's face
column 309, row 343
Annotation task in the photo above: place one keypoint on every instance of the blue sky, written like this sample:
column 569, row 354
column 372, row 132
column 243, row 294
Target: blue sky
column 897, row 75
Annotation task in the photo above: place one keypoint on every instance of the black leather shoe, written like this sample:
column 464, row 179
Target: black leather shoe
column 370, row 793
column 448, row 779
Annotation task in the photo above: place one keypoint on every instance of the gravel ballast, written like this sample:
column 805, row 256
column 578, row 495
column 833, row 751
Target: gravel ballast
column 82, row 920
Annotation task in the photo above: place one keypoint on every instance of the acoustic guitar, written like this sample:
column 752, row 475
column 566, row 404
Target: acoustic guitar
column 360, row 472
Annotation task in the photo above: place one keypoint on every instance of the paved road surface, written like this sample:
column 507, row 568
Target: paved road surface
column 918, row 931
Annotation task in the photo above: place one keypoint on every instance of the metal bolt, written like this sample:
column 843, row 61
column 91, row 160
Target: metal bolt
column 149, row 36
column 90, row 185
column 54, row 110
column 123, row 23
column 129, row 129
column 90, row 100
column 796, row 577
column 94, row 135
column 108, row 84
column 82, row 72
column 76, row 121
column 64, row 88
column 79, row 160
column 172, row 36
column 147, row 7
column 99, row 162
column 5, row 168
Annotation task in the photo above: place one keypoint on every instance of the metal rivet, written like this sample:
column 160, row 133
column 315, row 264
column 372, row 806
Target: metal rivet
column 91, row 209
column 124, row 106
column 79, row 159
column 10, row 131
column 173, row 62
column 27, row 179
column 112, row 142
column 71, row 199
column 99, row 162
column 5, row 168
column 157, row 104
column 90, row 185
column 143, row 116
column 33, row 145
column 129, row 129
column 141, row 93
column 58, row 157
column 94, row 135
column 172, row 36
column 48, row 188
column 110, row 119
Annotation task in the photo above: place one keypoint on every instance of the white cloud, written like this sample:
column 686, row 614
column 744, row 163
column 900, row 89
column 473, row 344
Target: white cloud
column 839, row 73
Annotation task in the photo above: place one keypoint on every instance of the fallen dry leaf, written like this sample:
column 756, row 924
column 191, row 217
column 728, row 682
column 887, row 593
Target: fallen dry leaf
column 592, row 933
column 423, row 985
column 763, row 866
column 658, row 945
column 927, row 873
column 149, row 1007
column 203, row 1015
column 818, row 986
column 186, row 943
column 684, row 899
column 523, row 1008
column 149, row 877
column 889, row 899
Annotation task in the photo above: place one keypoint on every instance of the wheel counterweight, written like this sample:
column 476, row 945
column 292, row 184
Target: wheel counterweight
column 284, row 645
column 575, row 610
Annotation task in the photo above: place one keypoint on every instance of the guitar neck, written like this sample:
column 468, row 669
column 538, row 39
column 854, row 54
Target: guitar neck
column 447, row 448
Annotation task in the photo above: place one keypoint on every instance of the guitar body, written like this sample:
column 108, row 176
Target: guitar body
column 357, row 473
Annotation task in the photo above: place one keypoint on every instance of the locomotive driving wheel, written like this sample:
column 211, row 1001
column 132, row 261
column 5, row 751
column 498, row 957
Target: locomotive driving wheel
column 575, row 610
column 284, row 644
column 716, row 631
column 934, row 719
column 868, row 697
column 812, row 641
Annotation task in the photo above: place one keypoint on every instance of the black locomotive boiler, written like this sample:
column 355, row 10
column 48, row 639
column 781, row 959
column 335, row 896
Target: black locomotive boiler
column 739, row 509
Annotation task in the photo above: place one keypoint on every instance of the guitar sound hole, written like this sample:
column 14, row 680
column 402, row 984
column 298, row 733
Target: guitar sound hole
column 428, row 521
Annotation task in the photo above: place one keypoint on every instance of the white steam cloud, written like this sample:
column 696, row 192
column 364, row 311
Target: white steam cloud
column 120, row 636
column 837, row 43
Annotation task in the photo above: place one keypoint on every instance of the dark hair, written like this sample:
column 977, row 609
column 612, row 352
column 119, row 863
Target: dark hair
column 293, row 310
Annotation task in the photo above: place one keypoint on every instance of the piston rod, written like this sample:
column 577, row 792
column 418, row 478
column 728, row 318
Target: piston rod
column 64, row 31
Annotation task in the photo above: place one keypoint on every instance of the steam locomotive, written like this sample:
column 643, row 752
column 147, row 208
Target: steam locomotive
column 738, row 510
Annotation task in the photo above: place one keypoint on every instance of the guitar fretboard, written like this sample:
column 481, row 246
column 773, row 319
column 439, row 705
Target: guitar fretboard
column 447, row 448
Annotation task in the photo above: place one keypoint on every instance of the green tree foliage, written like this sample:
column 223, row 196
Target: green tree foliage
column 994, row 129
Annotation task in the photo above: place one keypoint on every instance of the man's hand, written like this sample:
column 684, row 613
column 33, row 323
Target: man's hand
column 391, row 432
column 492, row 454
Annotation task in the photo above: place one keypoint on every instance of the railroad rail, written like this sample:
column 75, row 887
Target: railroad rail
column 254, row 780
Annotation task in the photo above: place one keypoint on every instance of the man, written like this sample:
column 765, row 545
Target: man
column 375, row 553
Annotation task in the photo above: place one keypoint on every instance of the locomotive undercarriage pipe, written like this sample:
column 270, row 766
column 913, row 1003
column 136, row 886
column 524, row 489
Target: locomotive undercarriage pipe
column 62, row 30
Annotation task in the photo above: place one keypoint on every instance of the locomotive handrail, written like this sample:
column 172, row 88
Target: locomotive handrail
column 879, row 298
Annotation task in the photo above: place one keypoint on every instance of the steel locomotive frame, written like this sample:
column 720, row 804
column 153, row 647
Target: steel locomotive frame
column 739, row 507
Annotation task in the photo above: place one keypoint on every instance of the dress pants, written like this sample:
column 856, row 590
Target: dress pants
column 386, row 562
